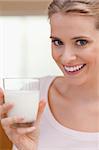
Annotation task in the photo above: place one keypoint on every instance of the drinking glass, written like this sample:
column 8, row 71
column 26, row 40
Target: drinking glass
column 24, row 94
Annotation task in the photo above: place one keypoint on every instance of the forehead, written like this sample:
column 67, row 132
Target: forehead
column 72, row 23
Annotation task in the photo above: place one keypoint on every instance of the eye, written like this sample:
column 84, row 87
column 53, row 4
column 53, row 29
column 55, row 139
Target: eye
column 57, row 42
column 81, row 42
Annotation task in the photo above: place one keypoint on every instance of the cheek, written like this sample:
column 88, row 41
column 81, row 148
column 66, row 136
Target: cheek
column 90, row 55
column 92, row 58
column 55, row 55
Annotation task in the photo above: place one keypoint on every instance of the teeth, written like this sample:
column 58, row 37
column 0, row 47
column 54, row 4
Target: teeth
column 72, row 69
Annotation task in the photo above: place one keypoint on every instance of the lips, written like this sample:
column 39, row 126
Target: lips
column 74, row 68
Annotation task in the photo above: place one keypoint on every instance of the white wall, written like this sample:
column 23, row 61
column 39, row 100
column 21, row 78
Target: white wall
column 25, row 47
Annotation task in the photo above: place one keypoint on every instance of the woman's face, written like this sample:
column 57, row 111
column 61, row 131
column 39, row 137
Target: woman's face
column 75, row 46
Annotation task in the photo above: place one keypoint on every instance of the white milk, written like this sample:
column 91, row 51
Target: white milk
column 25, row 103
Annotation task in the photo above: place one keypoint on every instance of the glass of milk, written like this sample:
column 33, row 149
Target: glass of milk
column 24, row 94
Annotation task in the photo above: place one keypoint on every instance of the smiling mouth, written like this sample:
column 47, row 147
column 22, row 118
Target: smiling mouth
column 74, row 69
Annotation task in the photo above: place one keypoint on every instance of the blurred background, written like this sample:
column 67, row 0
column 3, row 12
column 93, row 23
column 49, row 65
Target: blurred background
column 25, row 48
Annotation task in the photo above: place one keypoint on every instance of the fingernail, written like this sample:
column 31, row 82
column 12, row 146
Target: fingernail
column 31, row 129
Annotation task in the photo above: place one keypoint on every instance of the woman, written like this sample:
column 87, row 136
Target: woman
column 71, row 117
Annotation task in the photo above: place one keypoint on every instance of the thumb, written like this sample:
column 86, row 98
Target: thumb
column 42, row 105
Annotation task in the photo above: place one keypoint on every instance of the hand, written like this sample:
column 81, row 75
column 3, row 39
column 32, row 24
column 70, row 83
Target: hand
column 1, row 102
column 24, row 138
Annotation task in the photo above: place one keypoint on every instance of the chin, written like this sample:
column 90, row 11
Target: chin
column 77, row 81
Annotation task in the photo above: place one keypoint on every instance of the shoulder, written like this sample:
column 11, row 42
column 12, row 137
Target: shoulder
column 46, row 78
column 53, row 81
column 59, row 83
column 58, row 86
column 46, row 81
column 50, row 84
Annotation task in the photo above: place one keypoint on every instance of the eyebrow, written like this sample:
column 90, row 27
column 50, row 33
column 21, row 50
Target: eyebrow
column 74, row 38
column 79, row 37
column 53, row 37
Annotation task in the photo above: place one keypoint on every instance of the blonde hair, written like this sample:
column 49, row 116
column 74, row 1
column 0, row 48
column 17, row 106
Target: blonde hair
column 84, row 7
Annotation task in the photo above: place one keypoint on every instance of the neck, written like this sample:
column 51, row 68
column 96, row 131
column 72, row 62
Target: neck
column 87, row 91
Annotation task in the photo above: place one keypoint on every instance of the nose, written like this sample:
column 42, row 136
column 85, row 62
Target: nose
column 68, row 56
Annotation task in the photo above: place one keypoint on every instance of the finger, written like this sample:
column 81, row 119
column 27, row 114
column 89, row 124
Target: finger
column 5, row 108
column 1, row 96
column 8, row 122
column 40, row 112
column 25, row 130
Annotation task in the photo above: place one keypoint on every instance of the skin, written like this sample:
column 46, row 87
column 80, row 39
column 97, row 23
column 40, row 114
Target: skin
column 70, row 94
column 23, row 138
column 68, row 28
column 75, row 41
